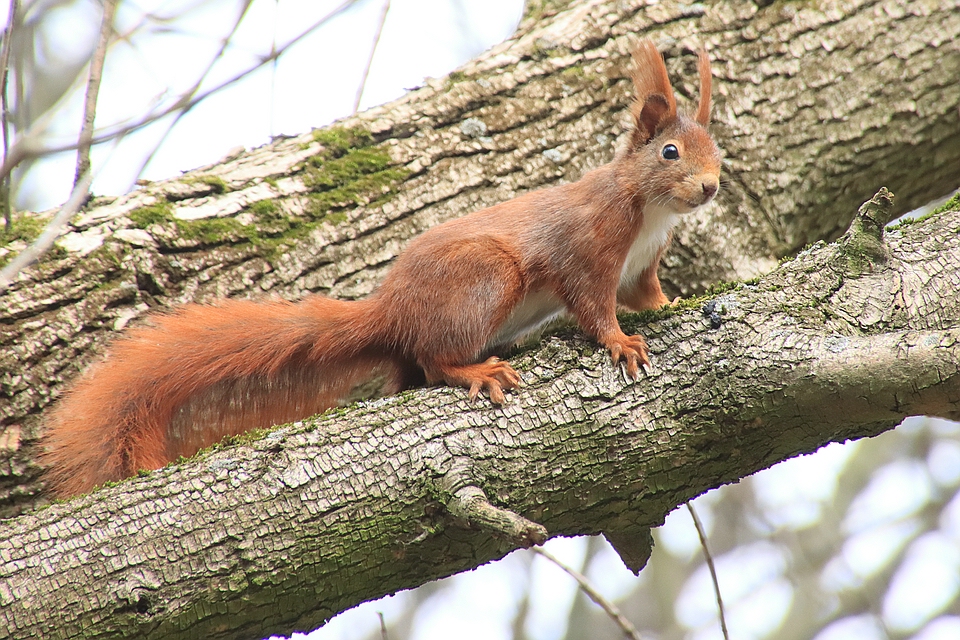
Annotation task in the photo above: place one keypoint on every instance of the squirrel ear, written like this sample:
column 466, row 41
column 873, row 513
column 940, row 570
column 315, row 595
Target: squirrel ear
column 706, row 82
column 653, row 113
column 655, row 106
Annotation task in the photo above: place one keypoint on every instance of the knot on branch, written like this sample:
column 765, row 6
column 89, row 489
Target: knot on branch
column 862, row 244
column 471, row 504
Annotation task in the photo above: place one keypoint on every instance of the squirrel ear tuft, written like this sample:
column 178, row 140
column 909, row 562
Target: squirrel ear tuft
column 655, row 106
column 653, row 116
column 706, row 83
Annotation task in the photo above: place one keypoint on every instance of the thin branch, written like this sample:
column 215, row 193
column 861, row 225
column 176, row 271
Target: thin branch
column 373, row 51
column 713, row 569
column 383, row 626
column 184, row 103
column 50, row 233
column 93, row 91
column 611, row 609
column 5, row 183
column 188, row 100
column 273, row 69
column 224, row 43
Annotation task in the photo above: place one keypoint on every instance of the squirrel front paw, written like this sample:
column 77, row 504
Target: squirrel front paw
column 631, row 349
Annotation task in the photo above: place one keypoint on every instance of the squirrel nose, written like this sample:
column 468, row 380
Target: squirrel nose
column 709, row 189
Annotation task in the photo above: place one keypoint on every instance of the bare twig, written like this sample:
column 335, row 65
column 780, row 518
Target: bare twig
column 373, row 51
column 273, row 68
column 611, row 609
column 50, row 233
column 713, row 569
column 383, row 626
column 185, row 102
column 224, row 43
column 93, row 91
column 5, row 183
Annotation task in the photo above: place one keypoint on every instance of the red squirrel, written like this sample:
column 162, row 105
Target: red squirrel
column 456, row 295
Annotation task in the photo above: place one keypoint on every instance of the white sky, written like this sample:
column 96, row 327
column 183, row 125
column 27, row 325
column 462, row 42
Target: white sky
column 313, row 84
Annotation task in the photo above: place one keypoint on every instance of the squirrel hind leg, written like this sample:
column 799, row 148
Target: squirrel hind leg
column 493, row 376
column 475, row 283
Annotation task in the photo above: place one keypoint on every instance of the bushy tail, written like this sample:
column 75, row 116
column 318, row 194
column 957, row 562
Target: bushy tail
column 204, row 372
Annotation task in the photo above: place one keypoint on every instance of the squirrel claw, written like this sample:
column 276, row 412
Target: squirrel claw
column 491, row 375
column 631, row 349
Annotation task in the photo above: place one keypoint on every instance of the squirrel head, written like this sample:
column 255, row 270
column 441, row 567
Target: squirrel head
column 671, row 158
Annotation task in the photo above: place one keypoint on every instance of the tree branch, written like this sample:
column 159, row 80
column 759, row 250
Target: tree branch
column 327, row 211
column 284, row 531
column 356, row 498
column 93, row 91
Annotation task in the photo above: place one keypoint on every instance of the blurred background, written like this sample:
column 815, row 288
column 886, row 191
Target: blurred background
column 857, row 541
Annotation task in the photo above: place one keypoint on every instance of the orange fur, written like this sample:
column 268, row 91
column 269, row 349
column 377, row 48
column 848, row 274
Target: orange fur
column 456, row 295
column 650, row 79
column 706, row 84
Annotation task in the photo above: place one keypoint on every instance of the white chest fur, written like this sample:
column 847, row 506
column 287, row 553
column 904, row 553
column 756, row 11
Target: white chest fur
column 540, row 307
column 657, row 224
column 534, row 311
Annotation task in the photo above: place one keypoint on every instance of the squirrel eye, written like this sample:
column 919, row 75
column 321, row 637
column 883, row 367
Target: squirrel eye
column 670, row 152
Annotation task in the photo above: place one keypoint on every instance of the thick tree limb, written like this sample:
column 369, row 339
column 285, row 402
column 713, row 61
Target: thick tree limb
column 816, row 107
column 286, row 530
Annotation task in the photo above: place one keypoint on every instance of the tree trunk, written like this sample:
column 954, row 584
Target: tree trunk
column 816, row 108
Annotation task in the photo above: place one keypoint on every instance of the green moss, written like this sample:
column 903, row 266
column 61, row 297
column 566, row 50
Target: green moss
column 340, row 140
column 337, row 217
column 216, row 183
column 144, row 217
column 693, row 303
column 207, row 231
column 349, row 171
column 270, row 180
column 953, row 204
column 213, row 231
column 456, row 76
column 110, row 253
column 350, row 189
column 25, row 228
column 328, row 173
column 242, row 438
column 264, row 208
column 719, row 288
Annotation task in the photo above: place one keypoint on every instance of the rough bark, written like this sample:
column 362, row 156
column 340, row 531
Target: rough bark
column 816, row 107
column 283, row 531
